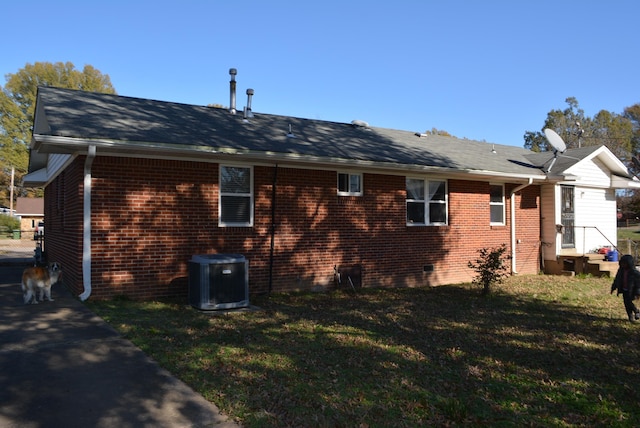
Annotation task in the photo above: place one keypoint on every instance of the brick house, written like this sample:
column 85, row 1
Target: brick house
column 31, row 213
column 134, row 188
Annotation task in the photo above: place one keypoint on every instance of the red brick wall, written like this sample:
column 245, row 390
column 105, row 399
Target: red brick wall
column 150, row 217
column 63, row 210
column 528, row 230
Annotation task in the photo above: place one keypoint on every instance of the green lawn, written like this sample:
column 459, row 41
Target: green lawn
column 632, row 233
column 540, row 351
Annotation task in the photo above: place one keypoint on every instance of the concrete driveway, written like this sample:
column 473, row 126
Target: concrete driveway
column 62, row 366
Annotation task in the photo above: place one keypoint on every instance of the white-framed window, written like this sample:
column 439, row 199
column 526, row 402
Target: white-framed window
column 426, row 202
column 236, row 196
column 349, row 184
column 496, row 204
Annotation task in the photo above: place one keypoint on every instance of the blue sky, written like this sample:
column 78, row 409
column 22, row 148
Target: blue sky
column 486, row 70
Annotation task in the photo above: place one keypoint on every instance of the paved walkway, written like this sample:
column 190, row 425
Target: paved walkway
column 17, row 251
column 62, row 366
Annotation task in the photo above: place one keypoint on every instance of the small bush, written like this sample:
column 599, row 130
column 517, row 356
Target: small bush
column 8, row 223
column 491, row 267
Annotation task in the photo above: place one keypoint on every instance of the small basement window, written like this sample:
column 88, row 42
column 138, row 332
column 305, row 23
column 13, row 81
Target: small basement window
column 349, row 184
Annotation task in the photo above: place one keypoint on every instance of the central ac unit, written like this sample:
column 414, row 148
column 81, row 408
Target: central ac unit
column 218, row 281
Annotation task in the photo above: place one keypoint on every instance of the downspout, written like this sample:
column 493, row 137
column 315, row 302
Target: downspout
column 514, row 269
column 86, row 234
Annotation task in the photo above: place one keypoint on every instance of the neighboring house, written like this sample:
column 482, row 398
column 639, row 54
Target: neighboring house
column 31, row 213
column 579, row 207
column 134, row 188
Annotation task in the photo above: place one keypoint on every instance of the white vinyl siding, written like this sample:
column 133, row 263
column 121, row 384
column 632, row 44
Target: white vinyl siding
column 593, row 173
column 591, row 207
column 594, row 208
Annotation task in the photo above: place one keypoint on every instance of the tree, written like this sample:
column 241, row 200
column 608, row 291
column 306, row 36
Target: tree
column 633, row 115
column 577, row 130
column 17, row 104
column 435, row 131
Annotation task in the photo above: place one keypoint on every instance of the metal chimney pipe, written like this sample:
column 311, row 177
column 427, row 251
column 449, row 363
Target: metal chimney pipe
column 232, row 84
column 248, row 110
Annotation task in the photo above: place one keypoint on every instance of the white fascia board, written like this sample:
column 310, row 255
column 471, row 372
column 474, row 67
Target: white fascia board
column 624, row 183
column 197, row 153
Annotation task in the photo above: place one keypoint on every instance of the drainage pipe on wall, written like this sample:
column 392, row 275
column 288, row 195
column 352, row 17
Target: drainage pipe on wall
column 86, row 233
column 514, row 269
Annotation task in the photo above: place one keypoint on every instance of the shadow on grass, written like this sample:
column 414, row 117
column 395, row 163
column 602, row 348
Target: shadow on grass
column 400, row 357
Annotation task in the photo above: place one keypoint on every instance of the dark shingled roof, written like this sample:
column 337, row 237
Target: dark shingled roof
column 128, row 123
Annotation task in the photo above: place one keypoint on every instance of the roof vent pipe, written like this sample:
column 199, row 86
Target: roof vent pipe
column 291, row 134
column 247, row 110
column 232, row 83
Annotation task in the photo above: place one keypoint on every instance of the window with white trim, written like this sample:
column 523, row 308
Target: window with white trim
column 496, row 204
column 236, row 196
column 426, row 202
column 349, row 184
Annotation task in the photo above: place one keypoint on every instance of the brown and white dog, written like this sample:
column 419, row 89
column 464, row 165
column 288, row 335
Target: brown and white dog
column 39, row 278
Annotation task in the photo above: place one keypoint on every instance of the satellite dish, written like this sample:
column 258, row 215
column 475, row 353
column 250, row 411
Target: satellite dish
column 555, row 140
column 558, row 146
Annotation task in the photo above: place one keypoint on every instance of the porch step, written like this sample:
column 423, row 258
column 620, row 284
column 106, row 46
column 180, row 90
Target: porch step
column 602, row 268
column 591, row 263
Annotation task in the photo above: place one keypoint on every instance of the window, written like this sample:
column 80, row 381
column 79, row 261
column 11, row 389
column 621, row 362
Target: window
column 236, row 196
column 349, row 184
column 496, row 204
column 426, row 202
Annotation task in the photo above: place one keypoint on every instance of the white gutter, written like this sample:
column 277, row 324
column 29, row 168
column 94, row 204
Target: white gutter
column 86, row 234
column 156, row 150
column 514, row 269
column 624, row 183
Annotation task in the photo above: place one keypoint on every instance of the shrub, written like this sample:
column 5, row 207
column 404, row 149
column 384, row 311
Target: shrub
column 490, row 267
column 8, row 223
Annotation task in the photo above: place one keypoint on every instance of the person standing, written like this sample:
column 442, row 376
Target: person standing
column 627, row 283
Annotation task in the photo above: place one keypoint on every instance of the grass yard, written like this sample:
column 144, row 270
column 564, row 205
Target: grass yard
column 632, row 233
column 543, row 351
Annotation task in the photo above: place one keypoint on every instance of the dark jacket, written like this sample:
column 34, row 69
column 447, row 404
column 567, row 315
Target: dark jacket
column 633, row 280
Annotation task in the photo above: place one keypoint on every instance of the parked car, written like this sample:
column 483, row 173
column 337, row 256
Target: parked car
column 40, row 228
